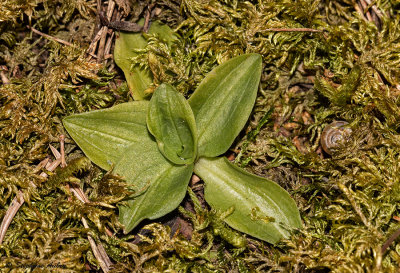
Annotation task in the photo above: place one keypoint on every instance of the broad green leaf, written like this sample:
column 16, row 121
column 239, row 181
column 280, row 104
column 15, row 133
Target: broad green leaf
column 104, row 135
column 223, row 102
column 170, row 120
column 126, row 46
column 119, row 136
column 160, row 184
column 262, row 208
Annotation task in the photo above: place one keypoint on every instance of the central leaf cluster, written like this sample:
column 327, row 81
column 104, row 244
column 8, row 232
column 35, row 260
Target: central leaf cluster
column 171, row 121
column 157, row 145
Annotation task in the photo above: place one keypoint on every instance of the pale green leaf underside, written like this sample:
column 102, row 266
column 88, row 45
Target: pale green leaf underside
column 227, row 185
column 126, row 45
column 160, row 184
column 170, row 120
column 104, row 135
column 223, row 102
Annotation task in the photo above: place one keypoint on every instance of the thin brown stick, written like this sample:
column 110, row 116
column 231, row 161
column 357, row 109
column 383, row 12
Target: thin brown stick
column 80, row 194
column 98, row 20
column 51, row 166
column 54, row 39
column 12, row 210
column 364, row 5
column 147, row 17
column 62, row 152
column 358, row 9
column 375, row 9
column 104, row 255
column 292, row 30
column 390, row 240
column 93, row 45
column 99, row 29
column 108, row 232
column 41, row 165
column 377, row 15
column 108, row 45
column 146, row 24
column 98, row 249
column 102, row 42
column 100, row 51
column 50, row 37
column 96, row 252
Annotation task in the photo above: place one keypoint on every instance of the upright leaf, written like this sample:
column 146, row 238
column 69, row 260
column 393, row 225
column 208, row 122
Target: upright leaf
column 223, row 102
column 160, row 184
column 262, row 208
column 104, row 135
column 126, row 46
column 170, row 119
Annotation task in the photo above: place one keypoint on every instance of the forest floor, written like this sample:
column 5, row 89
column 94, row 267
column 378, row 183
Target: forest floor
column 323, row 62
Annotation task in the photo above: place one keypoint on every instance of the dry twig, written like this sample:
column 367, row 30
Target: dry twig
column 147, row 17
column 374, row 15
column 53, row 38
column 62, row 152
column 100, row 255
column 50, row 37
column 292, row 30
column 364, row 6
column 389, row 241
column 12, row 210
column 104, row 29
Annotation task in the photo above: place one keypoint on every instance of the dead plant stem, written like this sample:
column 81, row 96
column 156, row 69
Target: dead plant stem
column 292, row 30
column 50, row 37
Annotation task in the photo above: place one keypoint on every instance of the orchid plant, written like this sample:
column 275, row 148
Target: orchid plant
column 156, row 146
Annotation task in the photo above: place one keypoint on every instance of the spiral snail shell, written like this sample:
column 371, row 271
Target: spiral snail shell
column 333, row 134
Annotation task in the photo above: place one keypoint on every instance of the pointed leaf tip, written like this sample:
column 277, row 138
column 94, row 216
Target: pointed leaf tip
column 261, row 207
column 223, row 102
column 103, row 135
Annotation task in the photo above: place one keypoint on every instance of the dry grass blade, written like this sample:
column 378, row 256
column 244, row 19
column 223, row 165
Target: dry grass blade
column 98, row 249
column 12, row 210
column 104, row 262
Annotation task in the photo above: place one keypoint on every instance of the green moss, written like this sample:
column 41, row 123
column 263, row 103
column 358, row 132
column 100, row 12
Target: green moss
column 347, row 71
